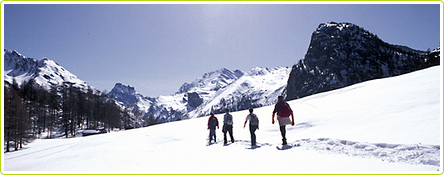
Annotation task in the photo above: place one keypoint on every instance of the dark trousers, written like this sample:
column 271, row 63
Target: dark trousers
column 253, row 129
column 229, row 129
column 213, row 134
column 283, row 132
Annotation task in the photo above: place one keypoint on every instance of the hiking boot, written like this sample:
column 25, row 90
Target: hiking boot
column 284, row 141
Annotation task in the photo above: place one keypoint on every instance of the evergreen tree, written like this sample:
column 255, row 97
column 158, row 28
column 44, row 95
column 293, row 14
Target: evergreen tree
column 61, row 111
column 16, row 125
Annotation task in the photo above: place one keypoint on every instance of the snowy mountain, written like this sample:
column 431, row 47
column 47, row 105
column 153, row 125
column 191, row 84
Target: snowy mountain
column 127, row 95
column 212, row 81
column 342, row 54
column 45, row 72
column 339, row 55
column 256, row 88
column 390, row 125
column 213, row 92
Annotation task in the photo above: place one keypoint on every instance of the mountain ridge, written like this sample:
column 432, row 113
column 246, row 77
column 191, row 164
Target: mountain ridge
column 339, row 55
column 212, row 92
column 44, row 71
column 343, row 54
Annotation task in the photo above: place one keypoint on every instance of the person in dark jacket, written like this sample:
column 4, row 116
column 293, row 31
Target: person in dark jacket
column 254, row 125
column 212, row 124
column 283, row 120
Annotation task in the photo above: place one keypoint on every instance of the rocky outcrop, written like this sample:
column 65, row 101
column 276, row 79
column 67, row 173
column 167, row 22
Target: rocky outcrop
column 342, row 54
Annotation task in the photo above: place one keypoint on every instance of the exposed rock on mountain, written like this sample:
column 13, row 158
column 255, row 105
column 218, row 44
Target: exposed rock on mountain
column 44, row 72
column 342, row 54
column 213, row 92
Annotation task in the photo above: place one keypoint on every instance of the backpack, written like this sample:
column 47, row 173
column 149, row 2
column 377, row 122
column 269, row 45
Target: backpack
column 229, row 119
column 284, row 110
column 213, row 121
column 254, row 120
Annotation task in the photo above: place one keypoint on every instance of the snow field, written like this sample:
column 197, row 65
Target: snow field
column 391, row 125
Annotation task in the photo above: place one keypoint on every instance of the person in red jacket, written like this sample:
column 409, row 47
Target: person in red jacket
column 212, row 124
column 283, row 111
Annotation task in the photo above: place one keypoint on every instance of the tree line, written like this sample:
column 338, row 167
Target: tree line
column 31, row 111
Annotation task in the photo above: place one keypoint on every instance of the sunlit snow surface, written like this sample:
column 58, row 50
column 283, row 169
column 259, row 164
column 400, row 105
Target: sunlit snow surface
column 391, row 125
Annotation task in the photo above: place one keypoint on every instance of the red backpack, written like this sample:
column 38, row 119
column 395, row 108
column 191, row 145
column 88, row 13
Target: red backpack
column 284, row 110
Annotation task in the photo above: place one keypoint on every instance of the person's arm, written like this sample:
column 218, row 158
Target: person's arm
column 246, row 119
column 272, row 118
column 274, row 111
column 292, row 116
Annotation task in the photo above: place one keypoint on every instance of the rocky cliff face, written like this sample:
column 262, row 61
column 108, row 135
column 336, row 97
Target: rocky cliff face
column 124, row 94
column 194, row 99
column 342, row 54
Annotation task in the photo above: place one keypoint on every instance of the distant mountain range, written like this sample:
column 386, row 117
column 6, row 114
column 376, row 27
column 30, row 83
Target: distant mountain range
column 339, row 55
column 213, row 92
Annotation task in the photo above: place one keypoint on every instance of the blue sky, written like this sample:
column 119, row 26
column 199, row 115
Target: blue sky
column 158, row 47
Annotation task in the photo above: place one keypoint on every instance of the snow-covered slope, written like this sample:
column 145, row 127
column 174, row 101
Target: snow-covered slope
column 387, row 125
column 44, row 71
column 213, row 92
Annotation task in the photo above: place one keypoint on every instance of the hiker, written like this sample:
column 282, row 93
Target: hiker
column 254, row 124
column 212, row 124
column 228, row 126
column 283, row 111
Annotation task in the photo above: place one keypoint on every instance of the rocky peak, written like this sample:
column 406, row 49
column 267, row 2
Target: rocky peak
column 212, row 81
column 44, row 72
column 342, row 54
column 124, row 94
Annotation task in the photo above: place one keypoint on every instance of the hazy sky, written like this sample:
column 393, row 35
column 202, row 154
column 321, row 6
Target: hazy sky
column 158, row 47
